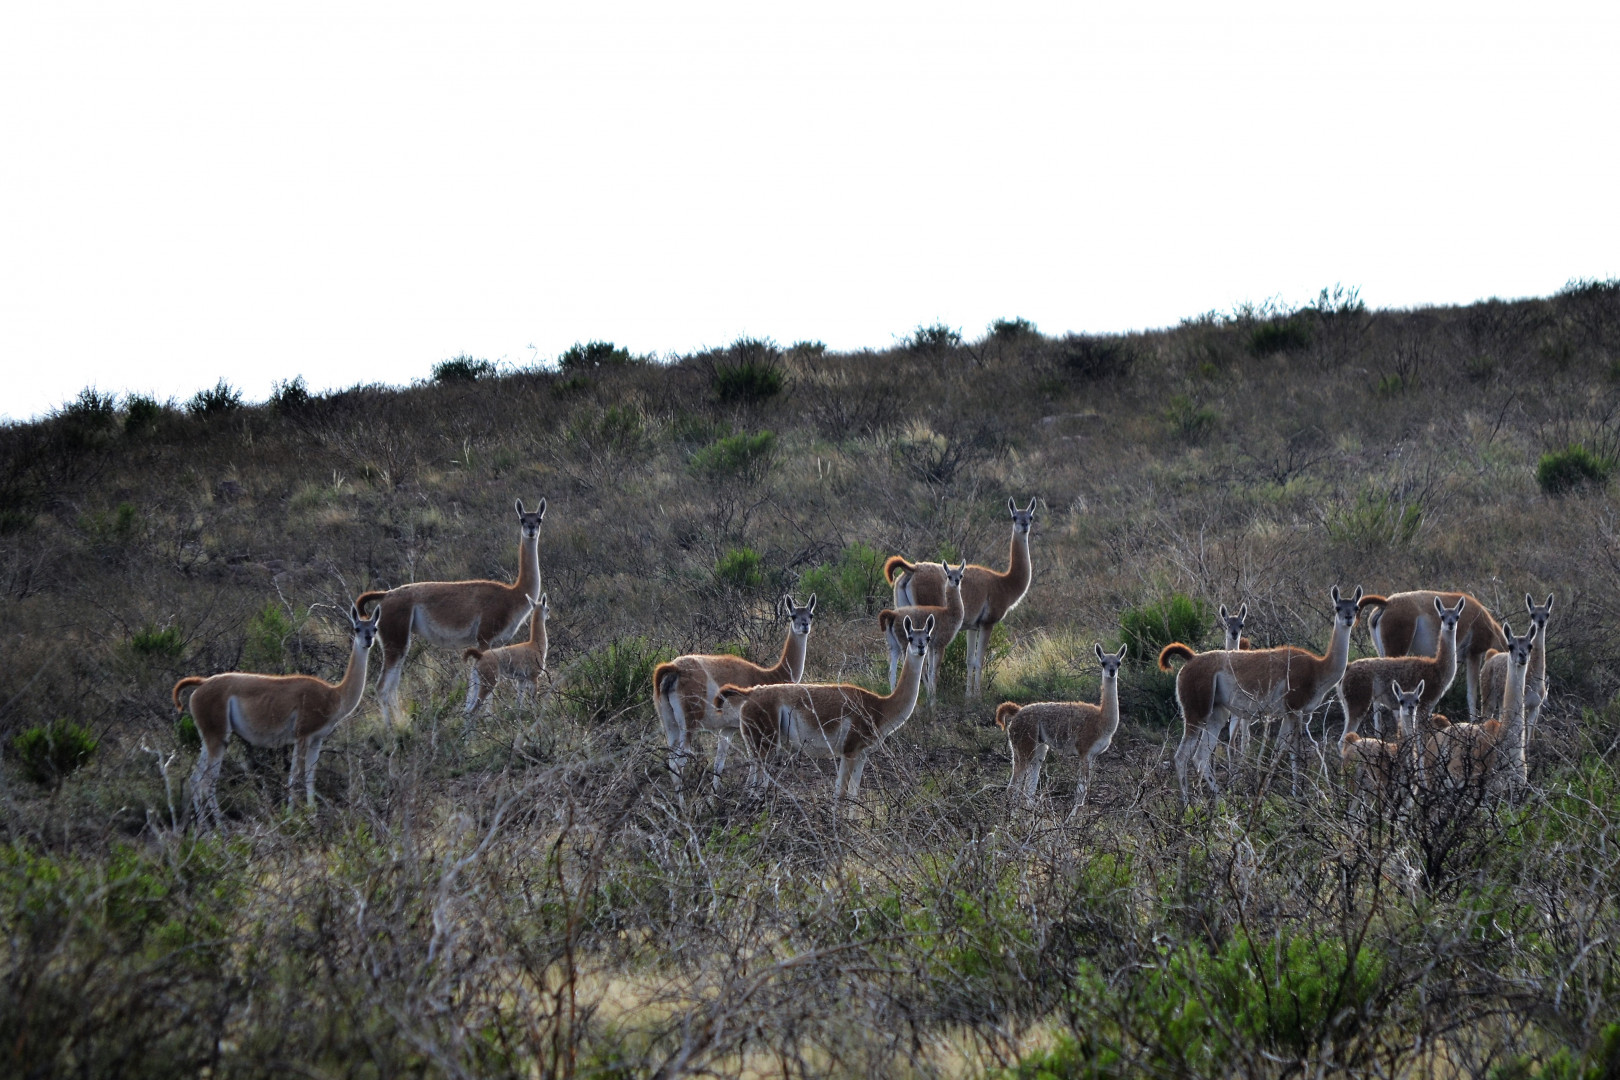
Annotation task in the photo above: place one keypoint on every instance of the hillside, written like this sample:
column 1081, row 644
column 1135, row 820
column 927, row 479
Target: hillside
column 517, row 894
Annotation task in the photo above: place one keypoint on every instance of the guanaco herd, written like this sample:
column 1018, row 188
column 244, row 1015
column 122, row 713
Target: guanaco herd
column 1419, row 637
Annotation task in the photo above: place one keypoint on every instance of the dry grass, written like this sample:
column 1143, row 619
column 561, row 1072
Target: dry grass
column 516, row 895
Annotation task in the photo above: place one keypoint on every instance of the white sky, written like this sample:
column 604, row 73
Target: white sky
column 353, row 192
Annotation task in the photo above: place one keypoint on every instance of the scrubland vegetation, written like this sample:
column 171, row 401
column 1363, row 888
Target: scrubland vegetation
column 516, row 894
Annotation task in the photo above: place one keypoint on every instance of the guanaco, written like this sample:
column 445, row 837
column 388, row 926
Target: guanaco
column 827, row 720
column 987, row 595
column 1255, row 682
column 1492, row 753
column 271, row 710
column 454, row 614
column 684, row 689
column 523, row 663
column 1074, row 728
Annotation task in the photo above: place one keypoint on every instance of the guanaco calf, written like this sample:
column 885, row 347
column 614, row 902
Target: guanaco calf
column 523, row 663
column 271, row 710
column 1493, row 676
column 1074, row 728
column 454, row 614
column 1369, row 684
column 684, row 689
column 828, row 720
column 1211, row 686
column 1491, row 753
column 1405, row 625
column 1377, row 767
column 948, row 622
column 987, row 595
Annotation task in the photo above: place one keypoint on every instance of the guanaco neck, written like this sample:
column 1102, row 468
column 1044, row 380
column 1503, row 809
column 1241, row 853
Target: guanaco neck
column 537, row 630
column 1338, row 654
column 1110, row 705
column 1018, row 567
column 1446, row 659
column 528, row 582
column 353, row 686
column 1537, row 674
column 1513, row 711
column 792, row 662
column 954, row 610
column 895, row 708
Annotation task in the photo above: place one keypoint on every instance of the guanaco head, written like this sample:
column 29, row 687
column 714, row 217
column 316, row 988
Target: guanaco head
column 917, row 636
column 798, row 616
column 1345, row 607
column 1518, row 649
column 953, row 575
column 1449, row 616
column 531, row 522
column 1539, row 613
column 1406, row 707
column 365, row 630
column 1110, row 661
column 1022, row 519
column 1232, row 625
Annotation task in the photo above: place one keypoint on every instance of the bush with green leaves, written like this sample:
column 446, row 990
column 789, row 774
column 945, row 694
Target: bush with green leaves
column 1011, row 330
column 935, row 339
column 289, row 396
column 749, row 372
column 221, row 399
column 613, row 681
column 88, row 421
column 159, row 644
column 741, row 456
column 1286, row 334
column 741, row 568
column 142, row 415
column 264, row 649
column 1188, row 419
column 1573, row 469
column 1376, row 521
column 852, row 582
column 1148, row 697
column 49, row 752
column 1092, row 359
column 462, row 369
column 590, row 356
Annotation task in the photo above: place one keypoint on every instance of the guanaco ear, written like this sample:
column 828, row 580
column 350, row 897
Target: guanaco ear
column 1459, row 606
column 1531, row 636
column 1030, row 509
column 520, row 507
column 1549, row 603
column 1120, row 655
column 928, row 627
column 1224, row 614
column 1420, row 685
column 811, row 606
column 1243, row 612
column 1395, row 688
column 1097, row 647
column 1357, row 597
column 1012, row 507
column 545, row 600
column 354, row 616
column 906, row 625
column 1508, row 630
column 1529, row 603
column 1335, row 594
column 1439, row 608
column 542, row 510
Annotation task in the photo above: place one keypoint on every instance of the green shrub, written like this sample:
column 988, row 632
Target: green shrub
column 1147, row 628
column 1376, row 521
column 581, row 359
column 220, row 400
column 617, row 427
column 741, row 568
column 265, row 647
column 742, row 455
column 1093, row 359
column 810, row 350
column 1280, row 335
column 88, row 421
column 115, row 528
column 613, row 681
column 1007, row 331
column 290, row 396
column 853, row 582
column 1188, row 419
column 463, row 368
column 1572, row 469
column 749, row 372
column 935, row 339
column 48, row 752
column 141, row 415
column 186, row 733
column 154, row 644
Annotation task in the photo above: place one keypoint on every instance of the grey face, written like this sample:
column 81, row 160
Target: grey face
column 798, row 616
column 1232, row 625
column 1539, row 613
column 1519, row 647
column 917, row 636
column 365, row 630
column 953, row 575
column 1448, row 616
column 1344, row 608
column 531, row 522
column 1110, row 661
column 1022, row 519
column 1408, row 701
